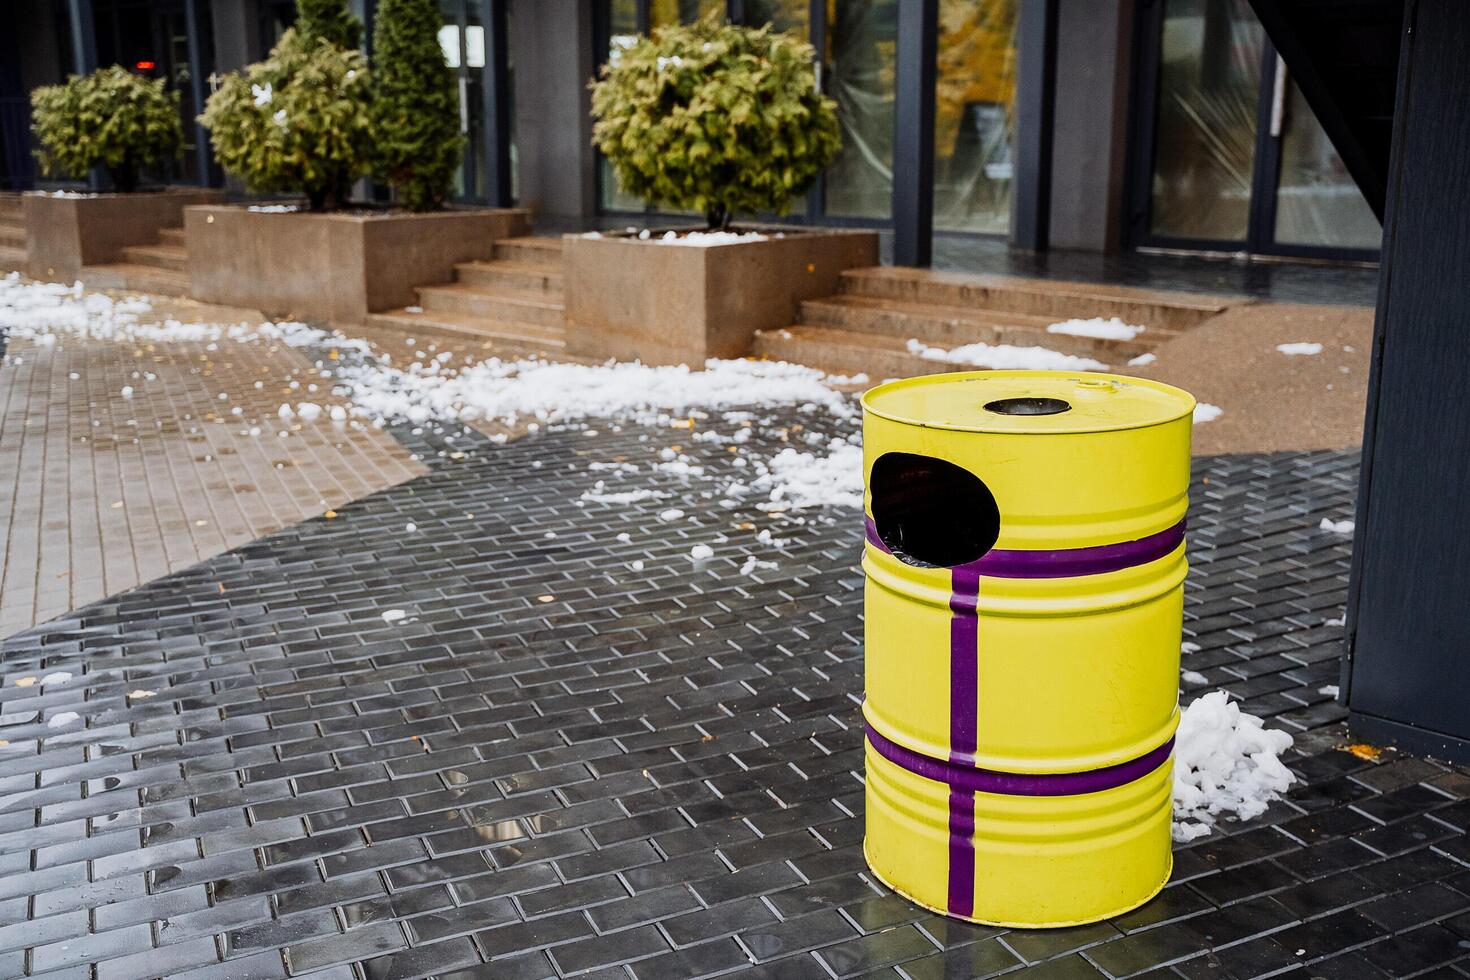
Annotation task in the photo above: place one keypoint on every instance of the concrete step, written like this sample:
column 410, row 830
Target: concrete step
column 497, row 335
column 10, row 206
column 157, row 256
column 492, row 304
column 12, row 234
column 952, row 326
column 1155, row 309
column 12, row 259
column 529, row 248
column 136, row 278
column 846, row 352
column 171, row 236
column 524, row 277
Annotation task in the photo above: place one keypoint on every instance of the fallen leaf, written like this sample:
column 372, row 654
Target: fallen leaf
column 1365, row 751
column 546, row 598
column 25, row 681
column 330, row 514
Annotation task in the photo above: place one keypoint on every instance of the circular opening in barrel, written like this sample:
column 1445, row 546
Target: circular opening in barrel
column 1028, row 406
column 930, row 512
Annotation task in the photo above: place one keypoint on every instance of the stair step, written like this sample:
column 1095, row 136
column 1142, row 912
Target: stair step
column 524, row 277
column 10, row 207
column 529, row 248
column 12, row 235
column 136, row 278
column 12, row 259
column 500, row 304
column 157, row 256
column 171, row 236
column 846, row 352
column 499, row 335
column 952, row 326
column 1155, row 309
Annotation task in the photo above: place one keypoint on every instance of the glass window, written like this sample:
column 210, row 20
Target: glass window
column 661, row 12
column 793, row 16
column 622, row 31
column 1205, row 137
column 1317, row 202
column 975, row 94
column 861, row 48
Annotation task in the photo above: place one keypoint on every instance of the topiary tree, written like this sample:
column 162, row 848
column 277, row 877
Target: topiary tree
column 330, row 20
column 111, row 118
column 415, row 104
column 715, row 118
column 297, row 122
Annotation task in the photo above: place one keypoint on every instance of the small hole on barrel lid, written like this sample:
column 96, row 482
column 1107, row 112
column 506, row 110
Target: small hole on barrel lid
column 1028, row 406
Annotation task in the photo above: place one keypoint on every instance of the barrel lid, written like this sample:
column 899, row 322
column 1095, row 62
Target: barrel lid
column 1028, row 402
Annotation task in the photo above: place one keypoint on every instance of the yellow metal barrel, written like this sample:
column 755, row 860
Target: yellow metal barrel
column 1025, row 574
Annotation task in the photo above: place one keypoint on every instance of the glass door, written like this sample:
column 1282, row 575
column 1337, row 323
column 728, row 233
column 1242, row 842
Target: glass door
column 464, row 51
column 1229, row 155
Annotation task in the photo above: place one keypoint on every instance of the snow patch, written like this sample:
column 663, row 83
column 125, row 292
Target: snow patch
column 1299, row 350
column 1225, row 762
column 1328, row 689
column 1204, row 412
column 705, row 239
column 1109, row 329
column 1142, row 360
column 394, row 615
column 61, row 719
column 1005, row 357
column 1336, row 527
column 1194, row 677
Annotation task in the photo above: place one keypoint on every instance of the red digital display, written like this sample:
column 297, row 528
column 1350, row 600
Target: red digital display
column 146, row 65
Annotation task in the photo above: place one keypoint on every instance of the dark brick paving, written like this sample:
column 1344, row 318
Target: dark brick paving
column 559, row 766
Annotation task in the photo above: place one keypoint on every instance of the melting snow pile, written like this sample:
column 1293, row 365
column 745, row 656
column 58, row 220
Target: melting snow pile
column 795, row 479
column 1006, row 357
column 1337, row 527
column 1097, row 327
column 1204, row 412
column 1299, row 350
column 508, row 390
column 1225, row 762
column 44, row 311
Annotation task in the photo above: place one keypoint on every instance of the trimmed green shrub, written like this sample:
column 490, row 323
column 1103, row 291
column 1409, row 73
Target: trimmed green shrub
column 715, row 118
column 415, row 104
column 297, row 122
column 111, row 118
column 329, row 19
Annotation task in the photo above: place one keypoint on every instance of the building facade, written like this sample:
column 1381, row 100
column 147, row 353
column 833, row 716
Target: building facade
column 1097, row 125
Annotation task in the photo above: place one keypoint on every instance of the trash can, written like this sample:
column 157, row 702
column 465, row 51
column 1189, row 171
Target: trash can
column 1025, row 586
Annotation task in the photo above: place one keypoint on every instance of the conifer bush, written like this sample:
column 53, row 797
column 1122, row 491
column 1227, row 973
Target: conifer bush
column 715, row 118
column 111, row 118
column 297, row 122
column 415, row 104
column 329, row 19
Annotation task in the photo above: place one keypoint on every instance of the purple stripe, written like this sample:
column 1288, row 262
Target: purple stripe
column 971, row 780
column 1066, row 562
column 964, row 709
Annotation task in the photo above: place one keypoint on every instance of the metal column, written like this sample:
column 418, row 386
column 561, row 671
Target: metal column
column 913, row 133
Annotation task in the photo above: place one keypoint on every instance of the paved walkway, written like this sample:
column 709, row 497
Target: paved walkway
column 101, row 491
column 559, row 762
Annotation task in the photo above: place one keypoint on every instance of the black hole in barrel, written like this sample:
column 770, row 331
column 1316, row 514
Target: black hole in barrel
column 930, row 512
column 1028, row 406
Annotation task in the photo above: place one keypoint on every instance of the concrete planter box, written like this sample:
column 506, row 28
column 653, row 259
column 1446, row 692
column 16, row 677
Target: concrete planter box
column 335, row 267
column 628, row 298
column 65, row 233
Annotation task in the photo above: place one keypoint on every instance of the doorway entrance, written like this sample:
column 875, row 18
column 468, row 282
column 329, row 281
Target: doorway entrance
column 1228, row 155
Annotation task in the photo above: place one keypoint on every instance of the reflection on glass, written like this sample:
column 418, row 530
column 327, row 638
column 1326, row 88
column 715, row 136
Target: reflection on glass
column 1317, row 202
column 1205, row 136
column 975, row 92
column 662, row 12
column 861, row 36
column 623, row 30
column 793, row 16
